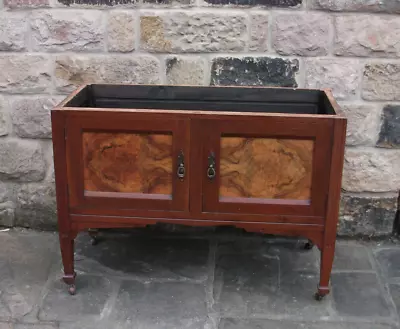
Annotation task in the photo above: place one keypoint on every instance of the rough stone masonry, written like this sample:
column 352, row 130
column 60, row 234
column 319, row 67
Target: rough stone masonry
column 48, row 47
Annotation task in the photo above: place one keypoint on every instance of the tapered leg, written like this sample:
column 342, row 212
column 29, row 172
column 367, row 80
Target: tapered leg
column 67, row 253
column 327, row 256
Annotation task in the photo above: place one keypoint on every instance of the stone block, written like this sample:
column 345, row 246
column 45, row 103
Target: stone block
column 21, row 4
column 7, row 214
column 181, row 32
column 381, row 81
column 31, row 116
column 184, row 70
column 36, row 206
column 362, row 35
column 358, row 294
column 72, row 71
column 21, row 160
column 104, row 4
column 3, row 118
column 388, row 6
column 167, row 3
column 54, row 30
column 24, row 73
column 389, row 135
column 371, row 170
column 121, row 31
column 258, row 31
column 303, row 34
column 13, row 31
column 341, row 75
column 254, row 71
column 366, row 216
column 363, row 122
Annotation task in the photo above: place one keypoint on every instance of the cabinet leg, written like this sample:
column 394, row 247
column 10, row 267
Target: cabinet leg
column 67, row 254
column 327, row 256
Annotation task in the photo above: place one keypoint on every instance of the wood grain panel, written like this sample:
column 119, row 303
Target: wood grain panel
column 266, row 168
column 126, row 162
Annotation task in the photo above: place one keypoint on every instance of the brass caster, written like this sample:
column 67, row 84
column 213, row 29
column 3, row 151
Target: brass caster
column 308, row 245
column 94, row 235
column 318, row 296
column 72, row 289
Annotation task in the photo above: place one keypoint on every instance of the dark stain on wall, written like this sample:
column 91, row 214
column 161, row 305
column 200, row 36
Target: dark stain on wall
column 272, row 3
column 97, row 2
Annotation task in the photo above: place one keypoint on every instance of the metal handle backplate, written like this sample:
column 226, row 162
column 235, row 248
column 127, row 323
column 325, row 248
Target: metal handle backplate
column 211, row 172
column 181, row 166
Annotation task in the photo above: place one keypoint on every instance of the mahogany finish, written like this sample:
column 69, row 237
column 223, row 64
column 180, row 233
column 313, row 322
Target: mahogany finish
column 262, row 159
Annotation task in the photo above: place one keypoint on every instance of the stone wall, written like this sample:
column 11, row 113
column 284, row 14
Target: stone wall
column 48, row 47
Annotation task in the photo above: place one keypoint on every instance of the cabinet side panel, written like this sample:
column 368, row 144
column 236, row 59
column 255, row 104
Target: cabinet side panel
column 267, row 168
column 128, row 162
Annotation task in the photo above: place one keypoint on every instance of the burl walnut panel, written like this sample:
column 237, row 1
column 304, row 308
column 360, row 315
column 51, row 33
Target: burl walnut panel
column 266, row 168
column 126, row 162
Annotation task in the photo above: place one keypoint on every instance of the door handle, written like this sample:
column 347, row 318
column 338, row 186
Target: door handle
column 181, row 166
column 211, row 172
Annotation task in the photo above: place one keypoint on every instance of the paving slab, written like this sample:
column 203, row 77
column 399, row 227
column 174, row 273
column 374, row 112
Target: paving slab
column 388, row 259
column 290, row 252
column 89, row 302
column 395, row 294
column 146, row 258
column 25, row 263
column 359, row 294
column 4, row 325
column 248, row 284
column 283, row 324
column 350, row 256
column 160, row 305
column 214, row 282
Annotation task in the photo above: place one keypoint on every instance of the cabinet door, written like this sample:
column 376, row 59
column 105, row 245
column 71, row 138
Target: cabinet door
column 266, row 165
column 127, row 161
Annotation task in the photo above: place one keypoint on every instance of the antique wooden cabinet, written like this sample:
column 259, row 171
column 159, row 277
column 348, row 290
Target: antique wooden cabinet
column 262, row 159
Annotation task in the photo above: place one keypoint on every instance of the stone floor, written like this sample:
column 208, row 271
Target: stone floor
column 149, row 280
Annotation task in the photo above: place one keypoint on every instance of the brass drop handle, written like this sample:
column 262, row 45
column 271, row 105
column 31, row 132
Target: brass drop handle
column 211, row 172
column 181, row 165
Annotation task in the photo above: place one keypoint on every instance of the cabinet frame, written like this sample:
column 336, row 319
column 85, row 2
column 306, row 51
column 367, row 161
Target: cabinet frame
column 75, row 216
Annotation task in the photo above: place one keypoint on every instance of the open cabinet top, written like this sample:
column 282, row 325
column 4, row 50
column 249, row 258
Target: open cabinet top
column 201, row 98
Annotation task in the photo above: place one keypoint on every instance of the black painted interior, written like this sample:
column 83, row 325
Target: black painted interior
column 231, row 99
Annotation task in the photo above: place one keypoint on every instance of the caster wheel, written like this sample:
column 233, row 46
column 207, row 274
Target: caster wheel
column 72, row 289
column 308, row 245
column 318, row 296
